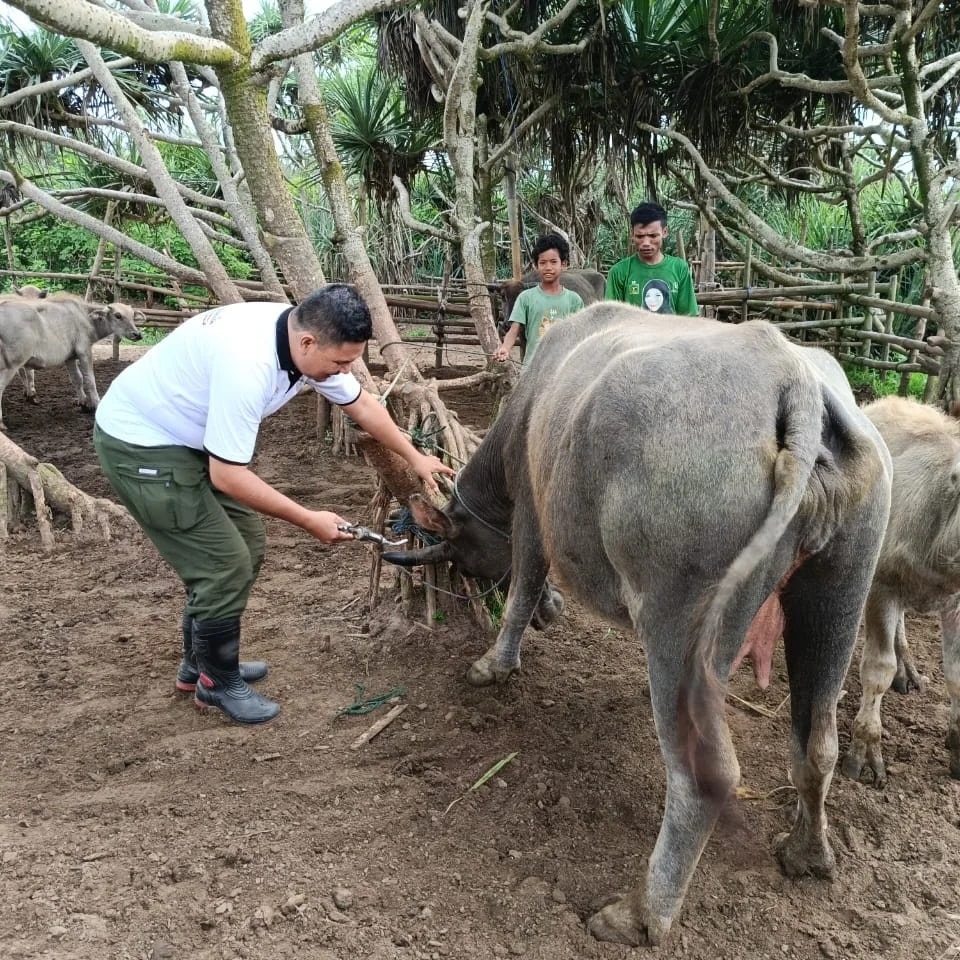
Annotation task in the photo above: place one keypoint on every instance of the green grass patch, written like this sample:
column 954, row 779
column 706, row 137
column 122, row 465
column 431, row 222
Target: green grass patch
column 151, row 336
column 883, row 383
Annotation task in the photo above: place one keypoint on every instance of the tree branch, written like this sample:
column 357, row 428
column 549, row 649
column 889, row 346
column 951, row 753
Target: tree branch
column 116, row 31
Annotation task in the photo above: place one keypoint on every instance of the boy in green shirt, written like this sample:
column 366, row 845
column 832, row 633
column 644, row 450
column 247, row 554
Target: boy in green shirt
column 650, row 278
column 543, row 304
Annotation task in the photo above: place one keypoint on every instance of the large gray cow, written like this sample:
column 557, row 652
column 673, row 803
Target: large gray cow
column 56, row 330
column 918, row 569
column 672, row 470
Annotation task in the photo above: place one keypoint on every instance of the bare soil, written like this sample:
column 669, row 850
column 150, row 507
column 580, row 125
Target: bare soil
column 133, row 826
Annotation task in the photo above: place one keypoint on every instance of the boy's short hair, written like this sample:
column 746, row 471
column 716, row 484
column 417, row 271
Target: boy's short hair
column 550, row 241
column 646, row 213
column 334, row 314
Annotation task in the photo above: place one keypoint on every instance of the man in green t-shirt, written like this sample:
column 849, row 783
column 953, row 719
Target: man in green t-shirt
column 540, row 306
column 650, row 278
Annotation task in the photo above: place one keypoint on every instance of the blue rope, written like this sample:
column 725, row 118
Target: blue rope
column 401, row 522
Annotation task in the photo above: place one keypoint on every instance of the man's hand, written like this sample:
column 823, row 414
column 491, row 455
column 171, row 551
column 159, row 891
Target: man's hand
column 426, row 466
column 323, row 524
column 501, row 353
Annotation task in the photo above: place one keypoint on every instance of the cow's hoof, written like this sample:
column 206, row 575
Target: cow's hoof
column 907, row 678
column 482, row 673
column 548, row 609
column 801, row 856
column 616, row 923
column 864, row 764
column 35, row 400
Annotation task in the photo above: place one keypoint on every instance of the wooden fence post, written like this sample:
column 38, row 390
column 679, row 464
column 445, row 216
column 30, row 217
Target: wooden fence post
column 867, row 345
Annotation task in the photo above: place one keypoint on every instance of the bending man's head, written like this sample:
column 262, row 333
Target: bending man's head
column 333, row 314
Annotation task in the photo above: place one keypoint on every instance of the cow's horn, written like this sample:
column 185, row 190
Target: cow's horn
column 435, row 553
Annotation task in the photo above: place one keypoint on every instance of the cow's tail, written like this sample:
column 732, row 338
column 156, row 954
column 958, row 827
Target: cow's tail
column 702, row 692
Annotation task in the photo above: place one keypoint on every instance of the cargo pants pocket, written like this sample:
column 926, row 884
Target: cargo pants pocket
column 165, row 498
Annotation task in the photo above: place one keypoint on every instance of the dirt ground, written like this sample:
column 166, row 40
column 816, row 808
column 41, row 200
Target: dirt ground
column 133, row 826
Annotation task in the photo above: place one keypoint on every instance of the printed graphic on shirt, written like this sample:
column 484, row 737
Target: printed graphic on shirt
column 656, row 296
column 548, row 319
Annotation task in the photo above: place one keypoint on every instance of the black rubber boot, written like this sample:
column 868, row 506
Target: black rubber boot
column 187, row 673
column 216, row 645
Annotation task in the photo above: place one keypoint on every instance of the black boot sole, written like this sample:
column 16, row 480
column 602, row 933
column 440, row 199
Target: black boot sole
column 204, row 707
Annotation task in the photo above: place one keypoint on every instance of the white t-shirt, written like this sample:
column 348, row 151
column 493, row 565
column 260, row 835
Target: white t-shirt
column 210, row 383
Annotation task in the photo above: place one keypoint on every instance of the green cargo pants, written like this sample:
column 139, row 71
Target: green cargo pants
column 214, row 543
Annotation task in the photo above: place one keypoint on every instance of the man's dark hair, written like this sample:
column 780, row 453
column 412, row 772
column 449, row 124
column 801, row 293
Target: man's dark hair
column 550, row 241
column 646, row 213
column 334, row 314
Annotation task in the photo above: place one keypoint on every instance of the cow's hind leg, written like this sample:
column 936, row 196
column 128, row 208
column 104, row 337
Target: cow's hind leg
column 822, row 606
column 907, row 677
column 950, row 625
column 29, row 384
column 878, row 666
column 696, row 793
column 6, row 375
column 81, row 376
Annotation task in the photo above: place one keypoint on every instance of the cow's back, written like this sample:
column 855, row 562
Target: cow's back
column 671, row 438
column 21, row 328
column 920, row 556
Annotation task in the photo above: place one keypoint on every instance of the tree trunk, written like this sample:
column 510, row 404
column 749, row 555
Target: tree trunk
column 30, row 487
column 284, row 234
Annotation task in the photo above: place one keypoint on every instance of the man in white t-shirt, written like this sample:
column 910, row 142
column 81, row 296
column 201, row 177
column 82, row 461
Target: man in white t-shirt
column 175, row 434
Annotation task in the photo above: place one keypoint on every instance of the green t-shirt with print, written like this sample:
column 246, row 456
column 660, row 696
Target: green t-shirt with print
column 536, row 310
column 665, row 287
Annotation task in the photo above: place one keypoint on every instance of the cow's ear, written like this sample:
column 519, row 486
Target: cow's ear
column 139, row 316
column 430, row 518
column 99, row 312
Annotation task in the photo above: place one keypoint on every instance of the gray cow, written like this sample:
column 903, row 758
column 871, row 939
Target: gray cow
column 918, row 569
column 56, row 330
column 672, row 470
column 30, row 292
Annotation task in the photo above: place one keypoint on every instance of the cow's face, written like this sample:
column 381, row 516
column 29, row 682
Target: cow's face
column 509, row 291
column 479, row 549
column 122, row 319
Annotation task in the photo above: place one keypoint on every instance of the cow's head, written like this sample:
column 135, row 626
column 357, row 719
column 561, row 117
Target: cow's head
column 509, row 291
column 120, row 319
column 479, row 547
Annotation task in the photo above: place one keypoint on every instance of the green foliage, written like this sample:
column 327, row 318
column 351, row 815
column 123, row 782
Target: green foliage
column 375, row 136
column 495, row 603
column 883, row 383
column 165, row 236
column 439, row 616
column 54, row 246
column 151, row 336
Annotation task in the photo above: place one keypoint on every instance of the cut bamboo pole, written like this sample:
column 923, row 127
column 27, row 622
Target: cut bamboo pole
column 378, row 727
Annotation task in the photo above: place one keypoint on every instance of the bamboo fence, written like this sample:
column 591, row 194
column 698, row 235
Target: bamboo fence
column 860, row 324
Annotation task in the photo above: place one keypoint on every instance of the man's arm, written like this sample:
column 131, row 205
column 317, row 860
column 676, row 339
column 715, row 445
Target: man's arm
column 243, row 485
column 613, row 290
column 509, row 341
column 687, row 305
column 373, row 417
